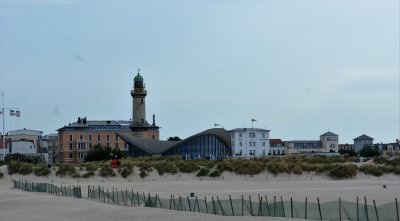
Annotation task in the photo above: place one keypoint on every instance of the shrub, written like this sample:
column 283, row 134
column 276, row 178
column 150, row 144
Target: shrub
column 323, row 168
column 386, row 169
column 276, row 168
column 297, row 169
column 225, row 165
column 345, row 171
column 41, row 170
column 187, row 166
column 396, row 171
column 67, row 169
column 165, row 167
column 103, row 153
column 371, row 169
column 126, row 169
column 26, row 168
column 107, row 171
column 250, row 167
column 88, row 174
column 13, row 167
column 90, row 167
column 143, row 173
column 215, row 173
column 203, row 172
column 380, row 160
column 23, row 158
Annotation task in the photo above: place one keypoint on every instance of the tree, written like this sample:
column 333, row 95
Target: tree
column 174, row 138
column 103, row 153
column 369, row 151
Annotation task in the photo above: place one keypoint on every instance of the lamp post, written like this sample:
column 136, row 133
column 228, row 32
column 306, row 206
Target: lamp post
column 13, row 112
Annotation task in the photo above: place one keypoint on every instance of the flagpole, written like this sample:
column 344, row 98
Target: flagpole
column 4, row 137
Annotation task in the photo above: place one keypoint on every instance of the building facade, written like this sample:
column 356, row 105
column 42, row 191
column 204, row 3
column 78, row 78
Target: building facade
column 53, row 147
column 328, row 144
column 210, row 144
column 249, row 142
column 277, row 147
column 78, row 137
column 362, row 141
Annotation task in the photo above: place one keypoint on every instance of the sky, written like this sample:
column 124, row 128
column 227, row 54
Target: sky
column 300, row 68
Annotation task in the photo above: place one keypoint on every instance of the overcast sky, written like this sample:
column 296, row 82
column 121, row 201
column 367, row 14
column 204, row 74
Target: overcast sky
column 300, row 68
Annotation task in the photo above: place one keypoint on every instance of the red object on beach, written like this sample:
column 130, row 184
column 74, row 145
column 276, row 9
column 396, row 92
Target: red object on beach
column 115, row 163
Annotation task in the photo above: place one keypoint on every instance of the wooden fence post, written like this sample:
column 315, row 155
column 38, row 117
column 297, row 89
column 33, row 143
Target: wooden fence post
column 251, row 206
column 220, row 206
column 230, row 199
column 283, row 208
column 358, row 212
column 266, row 201
column 376, row 211
column 340, row 210
column 291, row 207
column 366, row 207
column 205, row 201
column 319, row 208
column 397, row 210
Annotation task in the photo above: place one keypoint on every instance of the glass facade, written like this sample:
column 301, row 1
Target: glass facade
column 204, row 146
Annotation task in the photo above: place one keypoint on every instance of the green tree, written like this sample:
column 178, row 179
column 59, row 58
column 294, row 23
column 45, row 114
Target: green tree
column 103, row 153
column 174, row 138
column 369, row 151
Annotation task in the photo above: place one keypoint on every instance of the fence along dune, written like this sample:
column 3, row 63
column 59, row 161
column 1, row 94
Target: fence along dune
column 273, row 206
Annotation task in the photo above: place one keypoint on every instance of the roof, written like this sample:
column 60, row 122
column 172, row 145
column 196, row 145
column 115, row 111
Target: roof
column 304, row 141
column 275, row 141
column 159, row 147
column 138, row 78
column 329, row 134
column 363, row 137
column 245, row 129
column 93, row 123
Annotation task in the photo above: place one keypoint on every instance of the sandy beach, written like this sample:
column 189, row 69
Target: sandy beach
column 20, row 205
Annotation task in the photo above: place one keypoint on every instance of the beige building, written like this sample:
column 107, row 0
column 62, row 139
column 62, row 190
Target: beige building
column 328, row 144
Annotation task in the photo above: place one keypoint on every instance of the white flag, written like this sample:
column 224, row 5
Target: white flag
column 12, row 113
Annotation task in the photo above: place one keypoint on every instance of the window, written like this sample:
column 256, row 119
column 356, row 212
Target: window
column 250, row 153
column 263, row 135
column 142, row 100
column 254, row 143
column 80, row 136
column 279, row 152
column 70, row 138
column 273, row 152
column 252, row 134
column 90, row 138
column 154, row 137
column 116, row 146
column 116, row 138
column 249, row 143
column 240, row 144
column 90, row 145
column 108, row 138
column 70, row 155
column 240, row 153
column 126, row 145
column 263, row 152
column 98, row 138
column 70, row 146
column 54, row 152
column 263, row 144
column 240, row 135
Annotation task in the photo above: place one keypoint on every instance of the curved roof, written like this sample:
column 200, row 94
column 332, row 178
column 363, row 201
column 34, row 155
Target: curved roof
column 138, row 78
column 158, row 147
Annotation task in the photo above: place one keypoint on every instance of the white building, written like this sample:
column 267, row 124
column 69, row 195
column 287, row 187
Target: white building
column 249, row 142
column 23, row 147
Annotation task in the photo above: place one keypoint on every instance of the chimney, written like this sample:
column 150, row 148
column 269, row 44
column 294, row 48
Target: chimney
column 154, row 120
column 79, row 120
column 84, row 120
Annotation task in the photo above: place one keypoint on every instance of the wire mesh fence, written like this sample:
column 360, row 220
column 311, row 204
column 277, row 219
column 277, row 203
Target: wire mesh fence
column 359, row 210
column 69, row 191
